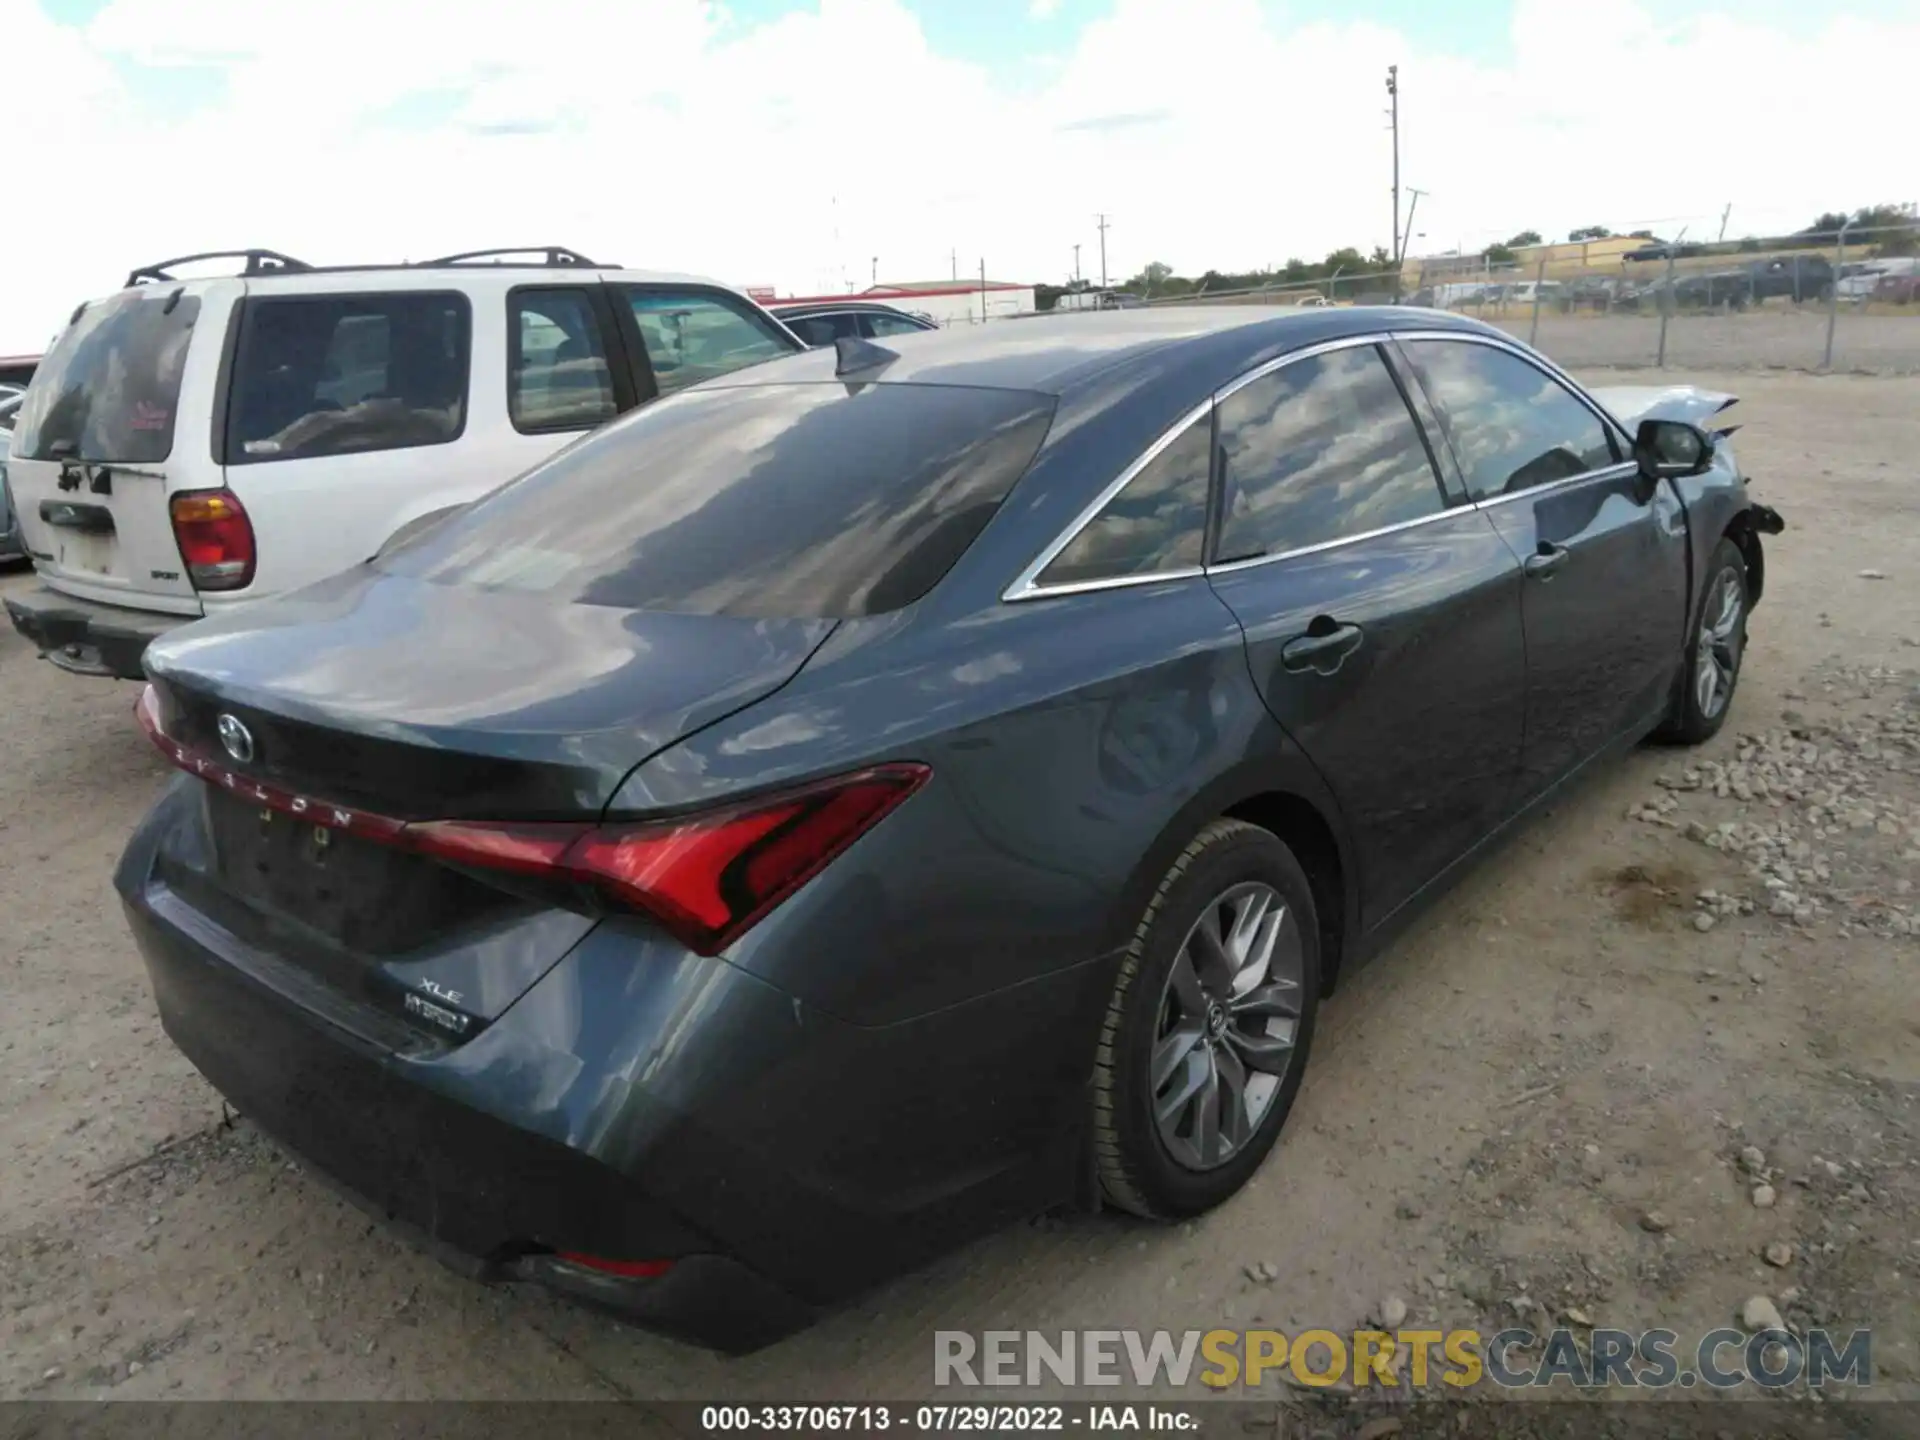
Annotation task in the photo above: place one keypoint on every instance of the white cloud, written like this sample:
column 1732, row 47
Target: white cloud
column 667, row 133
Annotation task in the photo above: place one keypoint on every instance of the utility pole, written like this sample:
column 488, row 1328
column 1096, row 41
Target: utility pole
column 1076, row 264
column 983, row 289
column 1103, row 250
column 1406, row 240
column 874, row 274
column 1723, row 219
column 954, row 257
column 1406, row 235
column 1393, row 96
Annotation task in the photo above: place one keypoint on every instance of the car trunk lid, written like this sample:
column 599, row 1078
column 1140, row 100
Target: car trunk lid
column 324, row 721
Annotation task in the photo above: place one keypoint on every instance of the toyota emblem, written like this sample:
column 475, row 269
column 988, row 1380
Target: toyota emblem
column 235, row 737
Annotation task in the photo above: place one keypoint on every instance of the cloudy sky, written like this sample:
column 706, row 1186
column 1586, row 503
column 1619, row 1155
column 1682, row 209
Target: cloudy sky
column 792, row 142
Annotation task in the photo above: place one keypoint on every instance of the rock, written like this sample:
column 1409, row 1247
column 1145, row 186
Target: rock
column 1576, row 1317
column 52, row 1372
column 1753, row 1159
column 1763, row 1197
column 1703, row 922
column 134, row 1367
column 1393, row 1313
column 1873, row 575
column 1654, row 1222
column 1261, row 1273
column 1778, row 1254
column 1407, row 1210
column 1380, row 1428
column 1760, row 1313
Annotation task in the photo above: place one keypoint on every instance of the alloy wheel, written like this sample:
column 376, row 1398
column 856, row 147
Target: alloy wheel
column 1718, row 658
column 1229, row 1018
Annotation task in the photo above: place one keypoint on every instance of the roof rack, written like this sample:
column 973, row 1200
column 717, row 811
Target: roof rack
column 557, row 255
column 259, row 262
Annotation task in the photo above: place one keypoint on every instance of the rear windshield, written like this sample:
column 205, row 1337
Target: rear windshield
column 345, row 374
column 824, row 500
column 108, row 389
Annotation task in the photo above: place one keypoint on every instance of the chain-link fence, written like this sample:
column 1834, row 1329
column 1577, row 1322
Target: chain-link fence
column 1843, row 301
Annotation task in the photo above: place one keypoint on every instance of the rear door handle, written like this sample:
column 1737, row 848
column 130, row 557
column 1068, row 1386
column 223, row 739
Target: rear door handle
column 1544, row 563
column 1323, row 649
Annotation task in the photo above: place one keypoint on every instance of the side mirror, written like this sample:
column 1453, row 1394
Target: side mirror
column 1664, row 448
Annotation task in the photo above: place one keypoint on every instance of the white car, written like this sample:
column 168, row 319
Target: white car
column 191, row 445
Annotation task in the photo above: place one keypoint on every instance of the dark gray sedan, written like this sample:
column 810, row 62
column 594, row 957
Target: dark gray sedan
column 878, row 794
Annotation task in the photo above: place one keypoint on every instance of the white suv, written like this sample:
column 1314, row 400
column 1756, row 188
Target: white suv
column 189, row 445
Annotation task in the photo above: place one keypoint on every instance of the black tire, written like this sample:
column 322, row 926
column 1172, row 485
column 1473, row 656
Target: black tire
column 1692, row 719
column 1138, row 1171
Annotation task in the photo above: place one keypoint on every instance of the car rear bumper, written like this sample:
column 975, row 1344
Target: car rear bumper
column 486, row 1197
column 89, row 638
column 637, row 1103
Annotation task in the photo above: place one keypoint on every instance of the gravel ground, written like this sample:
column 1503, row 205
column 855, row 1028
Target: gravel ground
column 1562, row 1094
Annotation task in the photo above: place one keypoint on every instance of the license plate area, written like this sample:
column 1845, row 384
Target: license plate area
column 363, row 896
column 87, row 554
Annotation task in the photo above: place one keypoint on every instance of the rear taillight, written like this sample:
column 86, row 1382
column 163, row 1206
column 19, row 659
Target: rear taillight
column 707, row 878
column 624, row 1269
column 215, row 538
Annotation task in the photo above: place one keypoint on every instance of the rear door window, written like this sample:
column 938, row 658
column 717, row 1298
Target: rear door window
column 109, row 388
column 1320, row 450
column 819, row 330
column 694, row 335
column 337, row 375
column 558, row 375
column 817, row 500
column 879, row 326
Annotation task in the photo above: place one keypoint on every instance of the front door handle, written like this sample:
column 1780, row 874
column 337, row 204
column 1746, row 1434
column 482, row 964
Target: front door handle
column 1544, row 563
column 1323, row 649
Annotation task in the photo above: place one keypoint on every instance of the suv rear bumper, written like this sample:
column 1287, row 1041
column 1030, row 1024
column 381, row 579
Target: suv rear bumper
column 88, row 638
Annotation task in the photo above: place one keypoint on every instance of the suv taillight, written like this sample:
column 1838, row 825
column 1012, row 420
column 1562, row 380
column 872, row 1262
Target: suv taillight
column 215, row 537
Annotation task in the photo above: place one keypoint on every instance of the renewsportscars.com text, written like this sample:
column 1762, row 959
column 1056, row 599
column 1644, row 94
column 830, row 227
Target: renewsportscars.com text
column 1513, row 1359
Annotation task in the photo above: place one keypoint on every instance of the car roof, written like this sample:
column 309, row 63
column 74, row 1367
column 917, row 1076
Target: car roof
column 831, row 307
column 334, row 280
column 1054, row 354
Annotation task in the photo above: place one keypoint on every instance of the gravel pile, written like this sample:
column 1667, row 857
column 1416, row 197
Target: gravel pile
column 1822, row 813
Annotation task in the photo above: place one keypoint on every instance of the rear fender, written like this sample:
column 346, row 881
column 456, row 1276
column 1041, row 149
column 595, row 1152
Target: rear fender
column 1282, row 772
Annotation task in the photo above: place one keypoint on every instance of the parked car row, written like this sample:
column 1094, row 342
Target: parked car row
column 1795, row 278
column 862, row 795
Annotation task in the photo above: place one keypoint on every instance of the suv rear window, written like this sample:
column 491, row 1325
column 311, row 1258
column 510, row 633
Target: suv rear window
column 335, row 375
column 821, row 500
column 108, row 389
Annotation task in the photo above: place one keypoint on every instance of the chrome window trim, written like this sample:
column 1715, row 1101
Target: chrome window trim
column 1445, row 512
column 1619, row 470
column 1280, row 362
column 1027, row 588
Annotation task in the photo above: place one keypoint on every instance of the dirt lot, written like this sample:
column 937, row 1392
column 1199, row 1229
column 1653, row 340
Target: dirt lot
column 1537, row 1103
